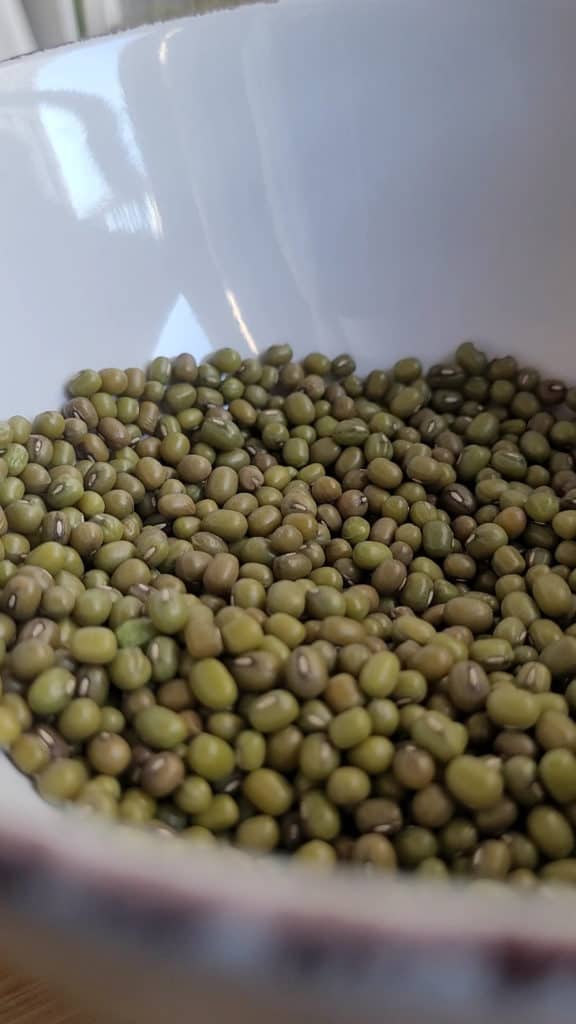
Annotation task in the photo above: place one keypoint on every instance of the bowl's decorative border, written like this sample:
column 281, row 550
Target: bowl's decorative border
column 349, row 964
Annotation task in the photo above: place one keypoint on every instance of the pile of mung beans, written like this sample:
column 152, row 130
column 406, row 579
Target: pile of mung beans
column 281, row 606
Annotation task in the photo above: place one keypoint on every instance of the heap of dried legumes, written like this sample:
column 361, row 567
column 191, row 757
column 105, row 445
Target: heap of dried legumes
column 282, row 606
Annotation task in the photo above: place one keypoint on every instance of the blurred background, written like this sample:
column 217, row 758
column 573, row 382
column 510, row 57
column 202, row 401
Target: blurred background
column 29, row 25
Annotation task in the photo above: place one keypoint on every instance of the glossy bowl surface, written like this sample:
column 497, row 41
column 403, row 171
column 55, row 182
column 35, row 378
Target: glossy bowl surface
column 384, row 177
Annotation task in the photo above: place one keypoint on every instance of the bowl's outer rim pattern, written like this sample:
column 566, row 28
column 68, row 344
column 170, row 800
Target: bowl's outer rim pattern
column 412, row 953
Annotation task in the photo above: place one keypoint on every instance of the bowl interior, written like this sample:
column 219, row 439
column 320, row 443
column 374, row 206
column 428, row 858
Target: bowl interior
column 358, row 177
column 345, row 177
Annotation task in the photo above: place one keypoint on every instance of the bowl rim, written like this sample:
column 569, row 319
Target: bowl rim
column 146, row 876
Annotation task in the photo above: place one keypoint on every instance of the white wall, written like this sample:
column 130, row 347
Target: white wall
column 16, row 36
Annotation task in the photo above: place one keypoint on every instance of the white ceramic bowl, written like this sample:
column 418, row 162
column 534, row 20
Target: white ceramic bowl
column 377, row 176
